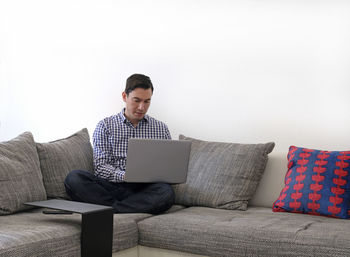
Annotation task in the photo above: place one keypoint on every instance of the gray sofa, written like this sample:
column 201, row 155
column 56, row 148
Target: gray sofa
column 224, row 208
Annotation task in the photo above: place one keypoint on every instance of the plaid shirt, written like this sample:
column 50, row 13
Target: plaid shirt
column 110, row 141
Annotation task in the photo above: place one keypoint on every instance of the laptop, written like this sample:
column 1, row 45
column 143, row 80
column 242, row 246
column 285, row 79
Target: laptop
column 157, row 160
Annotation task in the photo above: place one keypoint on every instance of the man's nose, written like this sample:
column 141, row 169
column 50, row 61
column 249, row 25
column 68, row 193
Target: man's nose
column 141, row 106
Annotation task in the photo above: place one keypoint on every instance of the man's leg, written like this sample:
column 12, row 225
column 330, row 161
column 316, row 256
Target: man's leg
column 84, row 186
column 152, row 198
column 147, row 198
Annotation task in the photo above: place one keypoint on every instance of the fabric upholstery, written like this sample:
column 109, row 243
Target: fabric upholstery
column 58, row 158
column 33, row 233
column 20, row 176
column 317, row 182
column 222, row 175
column 255, row 232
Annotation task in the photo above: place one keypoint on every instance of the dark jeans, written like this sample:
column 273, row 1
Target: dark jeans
column 124, row 197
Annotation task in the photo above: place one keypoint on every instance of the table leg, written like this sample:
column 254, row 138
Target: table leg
column 97, row 234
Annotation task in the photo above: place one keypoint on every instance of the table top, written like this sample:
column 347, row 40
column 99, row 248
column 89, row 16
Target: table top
column 72, row 206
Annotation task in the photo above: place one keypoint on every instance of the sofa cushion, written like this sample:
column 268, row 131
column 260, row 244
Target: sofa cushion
column 33, row 233
column 20, row 176
column 317, row 182
column 255, row 232
column 222, row 175
column 58, row 158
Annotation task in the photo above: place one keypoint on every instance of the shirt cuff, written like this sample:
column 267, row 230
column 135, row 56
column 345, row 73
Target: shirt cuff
column 119, row 176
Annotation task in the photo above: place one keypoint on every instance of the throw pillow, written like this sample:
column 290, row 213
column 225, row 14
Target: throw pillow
column 222, row 175
column 20, row 176
column 58, row 158
column 317, row 182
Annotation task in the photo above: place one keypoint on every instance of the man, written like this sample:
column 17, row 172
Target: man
column 110, row 142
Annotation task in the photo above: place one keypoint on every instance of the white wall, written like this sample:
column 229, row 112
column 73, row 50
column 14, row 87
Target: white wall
column 238, row 71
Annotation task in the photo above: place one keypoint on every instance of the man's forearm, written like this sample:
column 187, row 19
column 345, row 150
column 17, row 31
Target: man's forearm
column 110, row 173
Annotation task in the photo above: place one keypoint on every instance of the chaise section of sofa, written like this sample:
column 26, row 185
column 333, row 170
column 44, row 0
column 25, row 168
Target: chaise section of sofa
column 32, row 233
column 31, row 171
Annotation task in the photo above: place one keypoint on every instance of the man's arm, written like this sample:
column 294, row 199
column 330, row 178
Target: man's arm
column 104, row 160
column 167, row 132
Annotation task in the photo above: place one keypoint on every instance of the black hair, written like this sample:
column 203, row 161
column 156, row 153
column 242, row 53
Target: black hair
column 138, row 81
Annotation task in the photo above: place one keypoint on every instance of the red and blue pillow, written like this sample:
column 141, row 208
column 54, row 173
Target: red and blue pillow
column 317, row 182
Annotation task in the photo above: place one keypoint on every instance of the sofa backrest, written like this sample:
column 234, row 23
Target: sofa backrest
column 272, row 181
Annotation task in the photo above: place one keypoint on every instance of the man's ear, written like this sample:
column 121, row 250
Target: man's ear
column 124, row 95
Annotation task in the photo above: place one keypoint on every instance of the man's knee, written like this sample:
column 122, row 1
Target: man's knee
column 75, row 177
column 168, row 196
column 169, row 192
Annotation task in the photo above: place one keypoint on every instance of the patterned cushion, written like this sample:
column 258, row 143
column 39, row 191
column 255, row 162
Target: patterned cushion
column 20, row 177
column 317, row 182
column 59, row 157
column 222, row 175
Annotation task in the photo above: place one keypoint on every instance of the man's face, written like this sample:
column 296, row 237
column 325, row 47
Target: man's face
column 137, row 104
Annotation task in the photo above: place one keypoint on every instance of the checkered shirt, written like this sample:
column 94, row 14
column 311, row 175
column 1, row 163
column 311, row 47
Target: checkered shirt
column 110, row 141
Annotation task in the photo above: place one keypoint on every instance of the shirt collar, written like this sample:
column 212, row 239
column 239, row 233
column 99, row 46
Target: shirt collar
column 124, row 119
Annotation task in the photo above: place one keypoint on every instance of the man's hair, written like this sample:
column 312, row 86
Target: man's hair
column 138, row 81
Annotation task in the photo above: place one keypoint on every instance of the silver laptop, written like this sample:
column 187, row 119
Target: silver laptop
column 157, row 160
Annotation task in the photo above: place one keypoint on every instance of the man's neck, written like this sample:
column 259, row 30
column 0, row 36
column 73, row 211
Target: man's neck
column 133, row 122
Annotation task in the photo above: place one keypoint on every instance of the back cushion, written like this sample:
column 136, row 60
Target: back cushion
column 58, row 158
column 222, row 175
column 20, row 176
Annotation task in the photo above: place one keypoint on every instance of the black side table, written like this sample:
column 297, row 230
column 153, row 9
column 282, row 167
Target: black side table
column 96, row 225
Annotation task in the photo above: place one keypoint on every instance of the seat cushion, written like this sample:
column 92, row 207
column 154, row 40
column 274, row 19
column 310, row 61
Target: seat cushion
column 33, row 233
column 255, row 232
column 20, row 176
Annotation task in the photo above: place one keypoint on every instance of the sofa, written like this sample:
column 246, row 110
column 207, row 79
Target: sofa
column 234, row 203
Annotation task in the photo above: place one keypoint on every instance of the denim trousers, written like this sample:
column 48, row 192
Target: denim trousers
column 154, row 198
